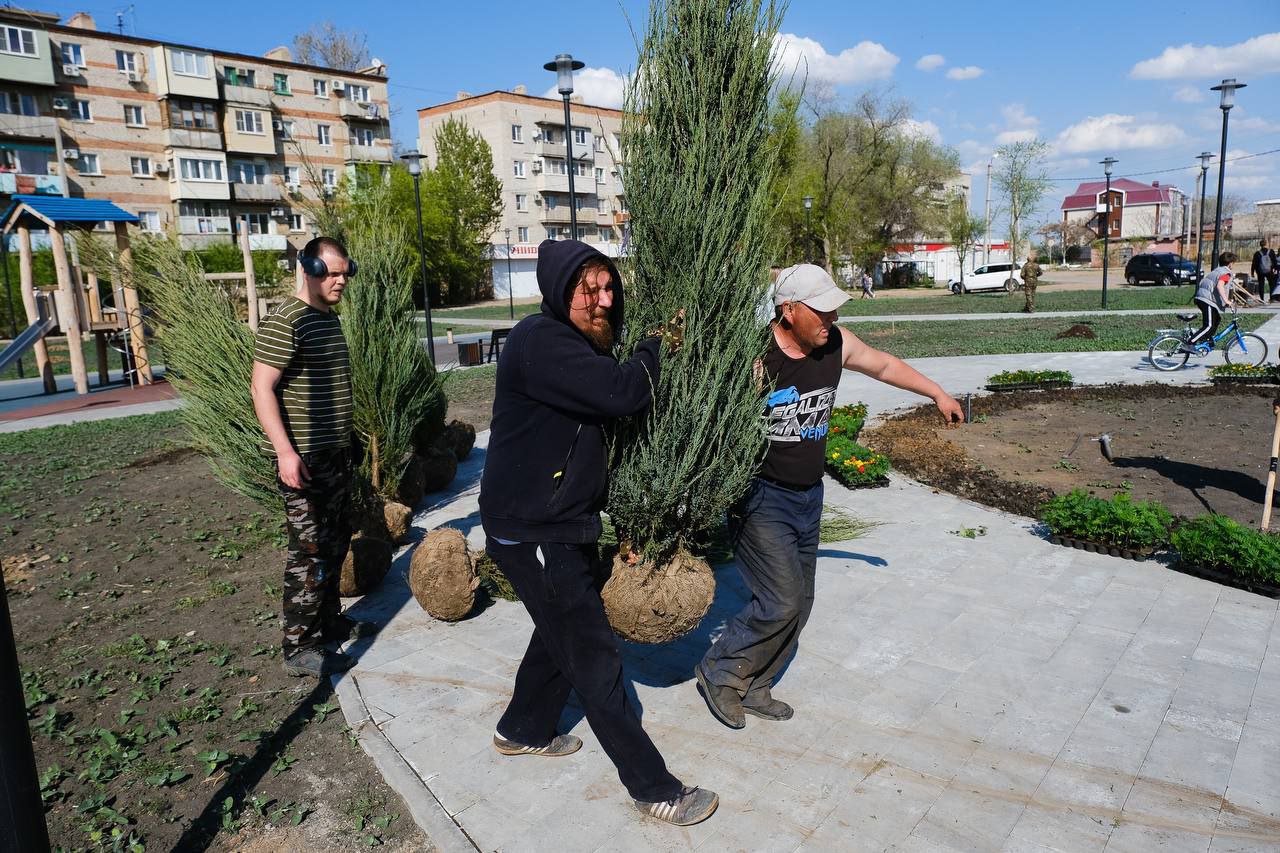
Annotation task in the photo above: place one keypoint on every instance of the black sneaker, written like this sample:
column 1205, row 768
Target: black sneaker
column 345, row 628
column 560, row 746
column 317, row 662
column 766, row 707
column 690, row 806
column 724, row 702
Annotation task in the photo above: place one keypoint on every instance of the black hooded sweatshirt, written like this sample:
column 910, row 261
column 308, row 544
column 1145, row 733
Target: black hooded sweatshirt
column 546, row 468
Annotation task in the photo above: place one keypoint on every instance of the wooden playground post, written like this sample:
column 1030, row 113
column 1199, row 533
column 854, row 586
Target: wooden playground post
column 71, row 325
column 132, row 308
column 26, row 277
column 250, row 277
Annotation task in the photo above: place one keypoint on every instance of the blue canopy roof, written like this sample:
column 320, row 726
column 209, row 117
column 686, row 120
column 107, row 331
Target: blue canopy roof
column 55, row 208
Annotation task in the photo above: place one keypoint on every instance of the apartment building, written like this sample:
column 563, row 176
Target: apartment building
column 533, row 153
column 193, row 140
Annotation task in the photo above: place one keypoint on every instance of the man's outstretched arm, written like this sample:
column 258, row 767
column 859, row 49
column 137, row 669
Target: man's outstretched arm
column 894, row 371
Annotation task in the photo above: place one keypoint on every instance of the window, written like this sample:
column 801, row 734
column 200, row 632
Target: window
column 599, row 144
column 578, row 202
column 192, row 114
column 553, row 233
column 579, row 136
column 134, row 116
column 149, row 220
column 201, row 170
column 551, row 202
column 517, row 168
column 329, row 178
column 293, row 176
column 282, row 84
column 203, row 218
column 126, row 61
column 357, row 93
column 322, row 134
column 249, row 121
column 240, row 76
column 18, row 40
column 72, row 54
column 517, row 133
column 556, row 167
column 599, row 175
column 362, row 136
column 259, row 223
column 297, row 222
column 140, row 167
column 18, row 104
column 549, row 135
column 190, row 63
column 579, row 169
column 88, row 164
column 321, row 87
column 522, row 234
column 243, row 172
column 80, row 111
column 522, row 201
column 582, row 234
column 286, row 129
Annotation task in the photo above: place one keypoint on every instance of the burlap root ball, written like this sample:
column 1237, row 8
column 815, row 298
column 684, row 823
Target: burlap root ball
column 398, row 519
column 412, row 486
column 658, row 604
column 460, row 436
column 366, row 565
column 370, row 520
column 439, row 467
column 442, row 575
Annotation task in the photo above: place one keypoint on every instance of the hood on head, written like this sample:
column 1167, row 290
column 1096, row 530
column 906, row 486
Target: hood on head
column 558, row 265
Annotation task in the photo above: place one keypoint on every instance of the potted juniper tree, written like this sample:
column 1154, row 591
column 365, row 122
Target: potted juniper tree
column 699, row 166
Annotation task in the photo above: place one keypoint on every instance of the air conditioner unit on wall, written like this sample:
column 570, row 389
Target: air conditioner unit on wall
column 71, row 70
column 71, row 154
column 339, row 85
column 132, row 76
column 160, row 167
column 277, row 212
column 62, row 103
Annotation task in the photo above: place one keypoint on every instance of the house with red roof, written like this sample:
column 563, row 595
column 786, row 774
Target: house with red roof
column 1138, row 210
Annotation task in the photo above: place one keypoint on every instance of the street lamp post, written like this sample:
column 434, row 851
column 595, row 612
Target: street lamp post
column 1106, row 228
column 1205, row 157
column 807, row 201
column 1227, row 89
column 413, row 160
column 564, row 65
column 511, row 288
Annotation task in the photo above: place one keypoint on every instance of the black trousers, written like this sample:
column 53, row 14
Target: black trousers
column 1212, row 317
column 573, row 647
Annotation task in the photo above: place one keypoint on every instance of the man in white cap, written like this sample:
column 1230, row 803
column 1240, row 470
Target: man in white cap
column 775, row 525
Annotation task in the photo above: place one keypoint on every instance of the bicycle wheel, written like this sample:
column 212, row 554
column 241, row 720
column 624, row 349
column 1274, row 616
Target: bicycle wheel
column 1164, row 353
column 1253, row 354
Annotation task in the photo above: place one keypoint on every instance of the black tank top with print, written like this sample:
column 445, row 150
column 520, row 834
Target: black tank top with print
column 799, row 410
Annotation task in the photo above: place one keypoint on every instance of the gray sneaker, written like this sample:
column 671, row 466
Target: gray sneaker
column 690, row 806
column 724, row 703
column 317, row 662
column 560, row 746
column 766, row 707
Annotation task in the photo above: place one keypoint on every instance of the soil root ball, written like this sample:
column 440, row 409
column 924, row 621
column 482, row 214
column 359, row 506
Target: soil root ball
column 461, row 437
column 366, row 565
column 439, row 467
column 412, row 481
column 442, row 575
column 658, row 604
column 398, row 519
column 371, row 520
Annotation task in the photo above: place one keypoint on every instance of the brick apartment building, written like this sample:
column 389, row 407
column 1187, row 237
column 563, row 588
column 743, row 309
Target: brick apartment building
column 191, row 139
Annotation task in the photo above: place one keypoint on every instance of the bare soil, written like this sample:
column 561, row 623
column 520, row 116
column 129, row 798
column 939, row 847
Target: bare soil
column 1196, row 450
column 145, row 600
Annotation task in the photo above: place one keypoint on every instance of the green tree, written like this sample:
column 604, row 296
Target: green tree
column 903, row 197
column 1022, row 179
column 963, row 228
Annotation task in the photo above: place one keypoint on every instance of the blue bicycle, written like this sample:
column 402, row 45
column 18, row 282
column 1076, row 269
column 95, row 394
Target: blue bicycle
column 1166, row 351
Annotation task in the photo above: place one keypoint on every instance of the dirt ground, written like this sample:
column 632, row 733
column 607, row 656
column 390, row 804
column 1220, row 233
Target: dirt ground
column 1196, row 450
column 145, row 599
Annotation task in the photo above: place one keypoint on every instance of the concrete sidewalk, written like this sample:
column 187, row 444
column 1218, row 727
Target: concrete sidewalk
column 1169, row 313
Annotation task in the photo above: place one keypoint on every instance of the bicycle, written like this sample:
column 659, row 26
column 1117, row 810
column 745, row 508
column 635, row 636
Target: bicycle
column 1165, row 351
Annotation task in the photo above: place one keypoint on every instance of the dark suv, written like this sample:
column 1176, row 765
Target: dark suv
column 1160, row 267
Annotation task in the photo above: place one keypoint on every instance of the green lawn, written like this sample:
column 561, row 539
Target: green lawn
column 926, row 338
column 1175, row 298
column 486, row 312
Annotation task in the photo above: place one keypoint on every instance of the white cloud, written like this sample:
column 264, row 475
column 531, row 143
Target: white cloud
column 1016, row 116
column 1011, row 136
column 1258, row 55
column 1189, row 95
column 865, row 61
column 1112, row 132
column 931, row 62
column 968, row 72
column 921, row 130
column 599, row 87
column 971, row 149
column 1254, row 123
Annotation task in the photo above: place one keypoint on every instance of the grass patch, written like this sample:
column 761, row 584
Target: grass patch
column 472, row 385
column 486, row 312
column 1173, row 298
column 838, row 526
column 928, row 338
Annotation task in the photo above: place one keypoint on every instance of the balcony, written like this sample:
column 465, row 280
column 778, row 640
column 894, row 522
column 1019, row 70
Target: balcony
column 31, row 127
column 559, row 215
column 368, row 154
column 204, row 225
column 272, row 242
column 546, row 182
column 249, row 95
column 269, row 191
column 621, row 218
column 191, row 137
column 543, row 148
column 604, row 218
column 353, row 110
column 16, row 182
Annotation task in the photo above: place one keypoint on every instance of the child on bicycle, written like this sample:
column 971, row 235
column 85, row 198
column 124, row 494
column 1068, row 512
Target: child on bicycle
column 1212, row 296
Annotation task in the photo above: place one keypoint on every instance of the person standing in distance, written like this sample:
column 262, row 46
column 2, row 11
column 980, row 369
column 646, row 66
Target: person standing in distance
column 301, row 389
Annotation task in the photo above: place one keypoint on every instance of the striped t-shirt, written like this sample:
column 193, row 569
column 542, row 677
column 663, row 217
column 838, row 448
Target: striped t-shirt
column 315, row 390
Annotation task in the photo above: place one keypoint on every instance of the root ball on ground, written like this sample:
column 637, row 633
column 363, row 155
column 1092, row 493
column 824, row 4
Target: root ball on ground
column 442, row 575
column 657, row 604
column 398, row 519
column 439, row 467
column 461, row 437
column 366, row 565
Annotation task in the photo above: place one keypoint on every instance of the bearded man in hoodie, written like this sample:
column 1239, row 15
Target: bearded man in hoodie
column 545, row 480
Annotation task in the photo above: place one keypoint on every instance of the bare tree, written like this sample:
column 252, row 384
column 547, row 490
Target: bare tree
column 327, row 45
column 1022, row 179
column 964, row 229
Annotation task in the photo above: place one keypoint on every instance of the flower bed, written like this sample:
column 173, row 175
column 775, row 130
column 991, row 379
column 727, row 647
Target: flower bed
column 1244, row 374
column 849, row 462
column 1220, row 549
column 1121, row 526
column 1029, row 380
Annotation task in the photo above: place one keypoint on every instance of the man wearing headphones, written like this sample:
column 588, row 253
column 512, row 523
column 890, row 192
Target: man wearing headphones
column 302, row 395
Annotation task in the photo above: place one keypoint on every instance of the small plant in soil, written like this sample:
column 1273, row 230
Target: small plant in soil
column 1245, row 371
column 1221, row 544
column 1120, row 522
column 1030, row 377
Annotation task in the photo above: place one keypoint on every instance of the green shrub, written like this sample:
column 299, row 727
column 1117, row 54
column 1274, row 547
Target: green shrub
column 847, row 421
column 1217, row 542
column 1120, row 522
column 1017, row 377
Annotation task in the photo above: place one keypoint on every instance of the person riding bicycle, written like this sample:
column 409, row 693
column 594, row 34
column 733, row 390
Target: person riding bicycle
column 1212, row 295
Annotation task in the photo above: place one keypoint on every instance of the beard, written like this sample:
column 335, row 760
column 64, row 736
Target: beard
column 601, row 337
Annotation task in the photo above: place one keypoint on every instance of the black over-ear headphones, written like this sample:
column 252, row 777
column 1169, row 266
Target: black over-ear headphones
column 314, row 266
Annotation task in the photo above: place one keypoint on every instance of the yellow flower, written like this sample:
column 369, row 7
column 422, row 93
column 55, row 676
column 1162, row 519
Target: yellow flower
column 835, row 455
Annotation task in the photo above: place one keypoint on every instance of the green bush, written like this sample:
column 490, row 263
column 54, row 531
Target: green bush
column 1217, row 542
column 1120, row 522
column 847, row 421
column 1017, row 377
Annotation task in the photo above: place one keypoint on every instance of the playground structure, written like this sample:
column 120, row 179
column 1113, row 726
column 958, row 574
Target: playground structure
column 75, row 307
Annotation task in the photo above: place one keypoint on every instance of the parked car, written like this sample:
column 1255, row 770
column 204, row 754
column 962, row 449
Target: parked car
column 990, row 277
column 1164, row 268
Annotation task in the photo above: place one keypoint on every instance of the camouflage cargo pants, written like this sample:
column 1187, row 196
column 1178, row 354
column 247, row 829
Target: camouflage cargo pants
column 318, row 522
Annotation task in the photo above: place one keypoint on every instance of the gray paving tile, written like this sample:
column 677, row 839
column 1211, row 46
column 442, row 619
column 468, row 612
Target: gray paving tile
column 966, row 819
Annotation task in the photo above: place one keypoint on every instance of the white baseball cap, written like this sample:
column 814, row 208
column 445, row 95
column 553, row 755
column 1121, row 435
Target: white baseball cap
column 810, row 284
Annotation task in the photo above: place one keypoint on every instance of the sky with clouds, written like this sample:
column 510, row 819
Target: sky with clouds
column 1130, row 80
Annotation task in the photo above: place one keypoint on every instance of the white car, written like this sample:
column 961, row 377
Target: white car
column 991, row 277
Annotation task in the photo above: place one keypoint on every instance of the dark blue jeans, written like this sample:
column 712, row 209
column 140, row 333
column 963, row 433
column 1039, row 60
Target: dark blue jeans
column 574, row 647
column 776, row 534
